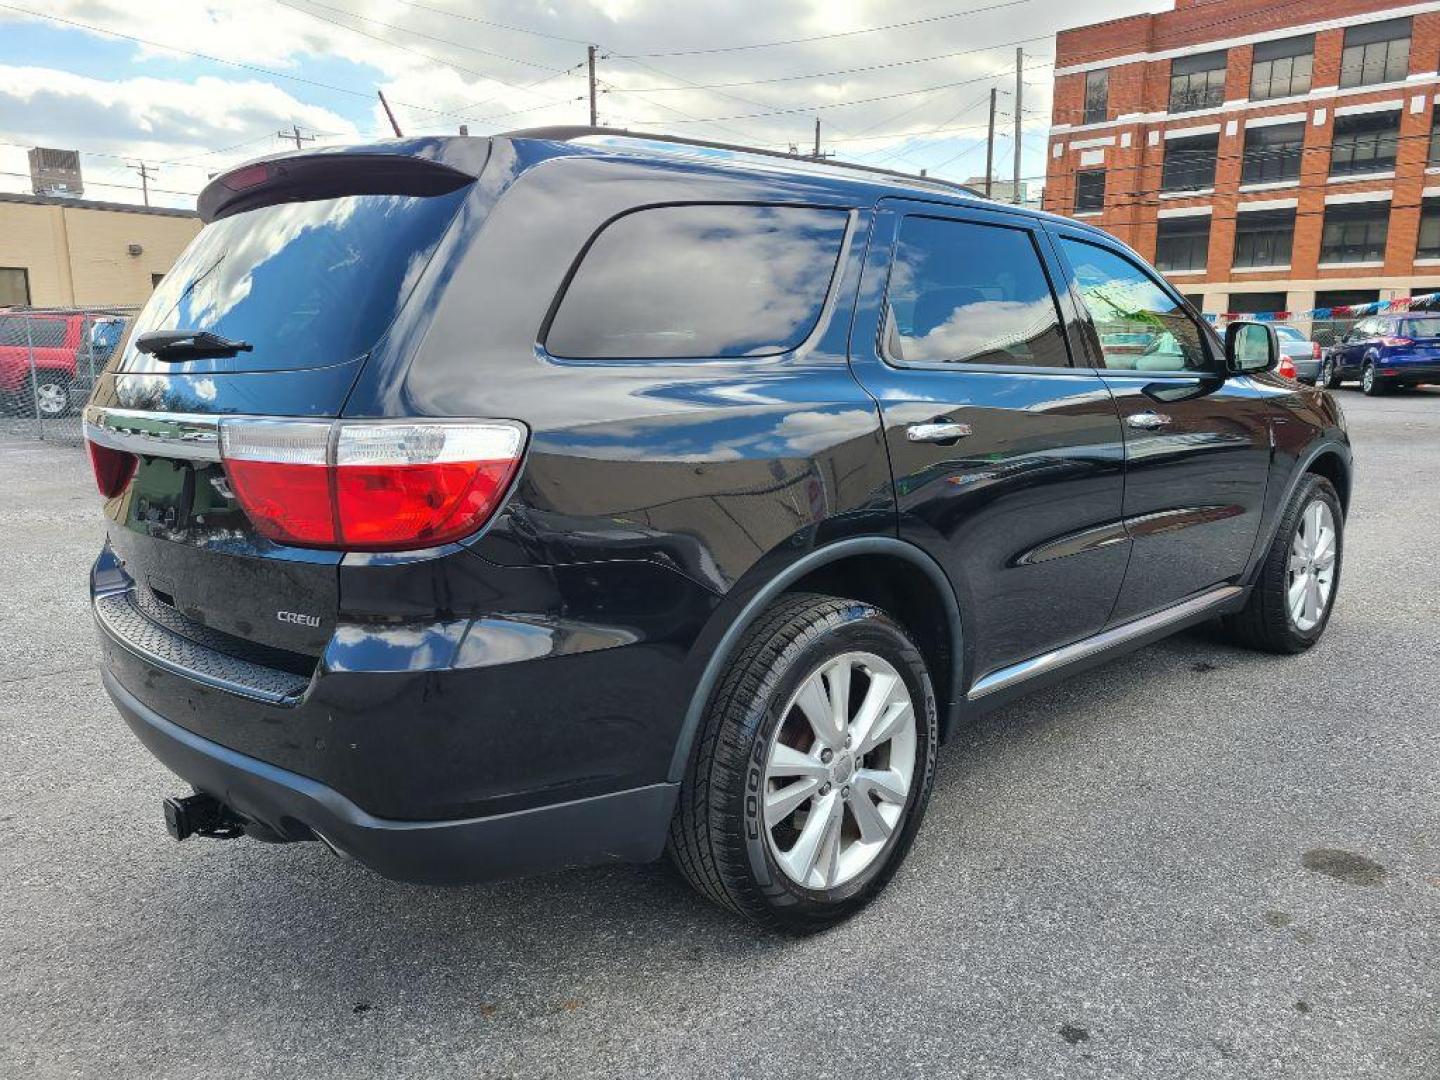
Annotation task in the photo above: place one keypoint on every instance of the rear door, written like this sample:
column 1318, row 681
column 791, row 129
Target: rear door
column 1197, row 444
column 1007, row 458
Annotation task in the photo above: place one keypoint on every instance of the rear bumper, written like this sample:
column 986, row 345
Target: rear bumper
column 1428, row 372
column 623, row 826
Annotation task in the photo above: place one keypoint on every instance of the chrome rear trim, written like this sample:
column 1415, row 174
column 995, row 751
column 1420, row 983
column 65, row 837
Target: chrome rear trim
column 192, row 436
column 1106, row 639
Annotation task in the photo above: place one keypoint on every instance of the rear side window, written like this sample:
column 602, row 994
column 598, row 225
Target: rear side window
column 28, row 331
column 306, row 283
column 1421, row 328
column 966, row 293
column 695, row 282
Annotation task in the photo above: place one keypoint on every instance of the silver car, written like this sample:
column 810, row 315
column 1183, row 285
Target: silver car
column 1302, row 351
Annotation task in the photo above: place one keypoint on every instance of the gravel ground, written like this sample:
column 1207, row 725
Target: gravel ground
column 1194, row 862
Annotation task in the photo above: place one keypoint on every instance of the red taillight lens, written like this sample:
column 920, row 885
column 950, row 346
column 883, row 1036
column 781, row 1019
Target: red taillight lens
column 1315, row 350
column 1397, row 341
column 113, row 468
column 1286, row 368
column 370, row 486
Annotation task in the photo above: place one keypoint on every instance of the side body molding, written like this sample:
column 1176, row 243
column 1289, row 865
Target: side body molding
column 842, row 549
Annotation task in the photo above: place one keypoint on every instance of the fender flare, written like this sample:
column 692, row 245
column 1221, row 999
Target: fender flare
column 1298, row 473
column 766, row 594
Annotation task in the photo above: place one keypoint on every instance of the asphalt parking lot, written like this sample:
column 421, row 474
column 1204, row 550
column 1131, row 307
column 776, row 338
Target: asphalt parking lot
column 1194, row 862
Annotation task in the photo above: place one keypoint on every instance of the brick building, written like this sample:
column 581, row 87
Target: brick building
column 1265, row 154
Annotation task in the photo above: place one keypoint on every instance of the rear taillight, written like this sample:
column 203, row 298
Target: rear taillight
column 370, row 485
column 1315, row 350
column 1395, row 342
column 113, row 468
column 1286, row 368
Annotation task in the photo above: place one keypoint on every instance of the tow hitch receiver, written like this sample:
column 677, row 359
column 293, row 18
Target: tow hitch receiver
column 201, row 815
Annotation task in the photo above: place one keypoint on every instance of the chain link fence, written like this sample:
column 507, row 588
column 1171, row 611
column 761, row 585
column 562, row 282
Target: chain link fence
column 49, row 361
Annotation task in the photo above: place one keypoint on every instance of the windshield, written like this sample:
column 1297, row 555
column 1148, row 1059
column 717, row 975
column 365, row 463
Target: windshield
column 1289, row 333
column 306, row 283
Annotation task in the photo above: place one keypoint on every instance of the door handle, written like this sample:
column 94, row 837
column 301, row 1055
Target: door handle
column 1147, row 421
column 937, row 431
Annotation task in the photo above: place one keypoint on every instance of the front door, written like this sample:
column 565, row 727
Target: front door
column 1007, row 458
column 1197, row 444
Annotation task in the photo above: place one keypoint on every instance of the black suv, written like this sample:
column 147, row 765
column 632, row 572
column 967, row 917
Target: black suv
column 486, row 506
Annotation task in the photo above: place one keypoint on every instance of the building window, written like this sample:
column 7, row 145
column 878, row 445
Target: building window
column 1434, row 158
column 1282, row 68
column 14, row 286
column 1429, row 245
column 1355, row 232
column 1182, row 244
column 1263, row 238
column 1376, row 52
column 1197, row 82
column 1272, row 154
column 1255, row 303
column 1189, row 163
column 1364, row 143
column 1097, row 96
column 155, row 280
column 1090, row 191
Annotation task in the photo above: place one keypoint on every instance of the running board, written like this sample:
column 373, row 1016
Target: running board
column 1184, row 611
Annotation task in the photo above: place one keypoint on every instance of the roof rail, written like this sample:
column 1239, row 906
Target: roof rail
column 566, row 132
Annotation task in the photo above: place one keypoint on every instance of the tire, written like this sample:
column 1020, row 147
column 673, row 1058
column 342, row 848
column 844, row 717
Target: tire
column 1371, row 383
column 1329, row 377
column 52, row 395
column 1268, row 621
column 723, row 838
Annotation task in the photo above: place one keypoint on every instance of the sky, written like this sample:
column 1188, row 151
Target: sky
column 192, row 87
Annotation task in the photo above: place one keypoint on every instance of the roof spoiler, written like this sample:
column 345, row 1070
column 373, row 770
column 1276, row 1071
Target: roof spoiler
column 411, row 167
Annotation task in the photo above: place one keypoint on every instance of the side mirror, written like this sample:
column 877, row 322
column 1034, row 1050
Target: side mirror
column 1251, row 347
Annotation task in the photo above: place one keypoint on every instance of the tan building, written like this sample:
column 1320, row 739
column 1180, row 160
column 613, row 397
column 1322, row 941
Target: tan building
column 57, row 252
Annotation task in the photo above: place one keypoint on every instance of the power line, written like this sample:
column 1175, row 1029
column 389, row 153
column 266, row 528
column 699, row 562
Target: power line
column 828, row 37
column 853, row 101
column 837, row 72
column 109, row 184
column 491, row 22
column 367, row 94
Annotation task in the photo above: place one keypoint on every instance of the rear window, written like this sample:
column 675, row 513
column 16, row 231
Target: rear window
column 692, row 282
column 1289, row 333
column 306, row 283
column 1421, row 328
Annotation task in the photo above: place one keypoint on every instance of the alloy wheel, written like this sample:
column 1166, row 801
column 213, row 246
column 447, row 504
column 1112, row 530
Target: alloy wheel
column 1311, row 576
column 839, row 770
column 1367, row 380
column 52, row 399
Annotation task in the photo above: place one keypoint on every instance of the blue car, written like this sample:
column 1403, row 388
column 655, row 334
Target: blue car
column 1384, row 352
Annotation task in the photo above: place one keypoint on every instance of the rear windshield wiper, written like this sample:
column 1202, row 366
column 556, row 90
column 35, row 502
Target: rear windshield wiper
column 188, row 345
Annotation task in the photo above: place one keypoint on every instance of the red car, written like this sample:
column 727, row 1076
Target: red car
column 68, row 349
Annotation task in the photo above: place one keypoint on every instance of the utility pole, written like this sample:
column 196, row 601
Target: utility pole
column 590, row 61
column 1019, row 109
column 390, row 115
column 990, row 143
column 817, row 138
column 294, row 133
column 145, row 174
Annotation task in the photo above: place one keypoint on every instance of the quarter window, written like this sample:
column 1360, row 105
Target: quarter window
column 1182, row 243
column 1376, row 53
column 1355, row 232
column 1282, row 68
column 1141, row 326
column 677, row 282
column 1090, row 191
column 1272, row 154
column 966, row 293
column 1364, row 144
column 29, row 331
column 1197, row 82
column 1264, row 238
column 1097, row 96
column 1189, row 163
